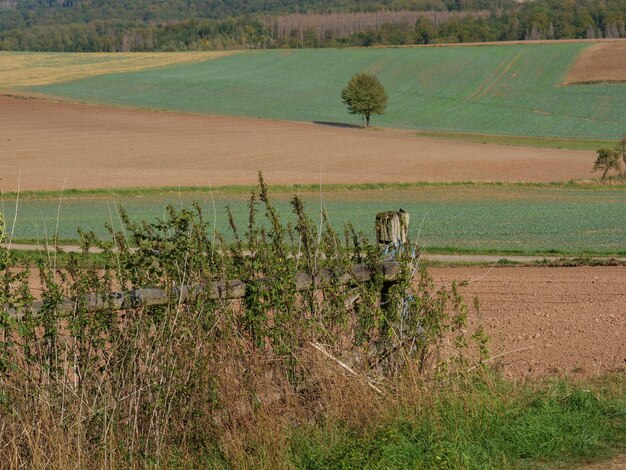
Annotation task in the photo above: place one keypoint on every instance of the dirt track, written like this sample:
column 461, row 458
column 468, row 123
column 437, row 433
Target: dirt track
column 103, row 147
column 573, row 319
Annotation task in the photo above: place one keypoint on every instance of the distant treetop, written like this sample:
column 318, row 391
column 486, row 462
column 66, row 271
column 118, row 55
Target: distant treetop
column 160, row 25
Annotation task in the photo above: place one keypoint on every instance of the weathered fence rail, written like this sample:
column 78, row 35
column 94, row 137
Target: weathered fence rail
column 231, row 289
column 391, row 229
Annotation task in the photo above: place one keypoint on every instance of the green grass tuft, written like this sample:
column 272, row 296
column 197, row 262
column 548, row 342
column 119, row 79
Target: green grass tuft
column 500, row 425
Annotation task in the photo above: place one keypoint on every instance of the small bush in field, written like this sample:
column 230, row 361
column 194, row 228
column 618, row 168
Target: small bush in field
column 606, row 161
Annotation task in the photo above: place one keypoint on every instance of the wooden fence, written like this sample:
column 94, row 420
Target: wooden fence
column 391, row 228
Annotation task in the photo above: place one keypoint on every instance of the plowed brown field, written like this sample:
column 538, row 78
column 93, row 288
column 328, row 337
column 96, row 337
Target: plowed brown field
column 48, row 143
column 602, row 62
column 550, row 320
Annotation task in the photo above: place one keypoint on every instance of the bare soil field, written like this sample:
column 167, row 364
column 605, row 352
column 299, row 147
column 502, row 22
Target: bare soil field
column 602, row 62
column 549, row 320
column 49, row 145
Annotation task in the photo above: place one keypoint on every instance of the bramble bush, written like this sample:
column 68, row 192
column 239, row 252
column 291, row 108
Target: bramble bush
column 213, row 379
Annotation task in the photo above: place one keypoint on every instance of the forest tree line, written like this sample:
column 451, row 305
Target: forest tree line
column 70, row 26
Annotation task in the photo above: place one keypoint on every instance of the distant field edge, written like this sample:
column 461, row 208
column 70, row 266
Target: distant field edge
column 516, row 42
column 517, row 141
column 25, row 69
column 428, row 89
column 591, row 184
column 432, row 255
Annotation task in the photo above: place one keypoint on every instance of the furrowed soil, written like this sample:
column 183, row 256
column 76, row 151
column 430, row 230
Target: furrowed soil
column 602, row 62
column 547, row 320
column 51, row 145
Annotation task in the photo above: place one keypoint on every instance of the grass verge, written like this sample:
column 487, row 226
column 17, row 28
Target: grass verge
column 451, row 250
column 464, row 218
column 611, row 183
column 483, row 424
column 519, row 141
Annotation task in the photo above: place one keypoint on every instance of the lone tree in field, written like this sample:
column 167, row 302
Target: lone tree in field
column 607, row 160
column 365, row 95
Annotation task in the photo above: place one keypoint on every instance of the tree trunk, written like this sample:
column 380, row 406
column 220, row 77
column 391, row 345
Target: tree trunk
column 606, row 170
column 367, row 120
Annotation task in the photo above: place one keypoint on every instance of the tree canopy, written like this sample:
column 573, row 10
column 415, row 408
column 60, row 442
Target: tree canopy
column 365, row 95
column 161, row 25
column 621, row 149
column 607, row 160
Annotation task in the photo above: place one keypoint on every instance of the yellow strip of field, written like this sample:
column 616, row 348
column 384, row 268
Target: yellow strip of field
column 33, row 69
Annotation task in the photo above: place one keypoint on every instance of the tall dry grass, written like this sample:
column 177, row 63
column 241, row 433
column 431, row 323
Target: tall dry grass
column 216, row 382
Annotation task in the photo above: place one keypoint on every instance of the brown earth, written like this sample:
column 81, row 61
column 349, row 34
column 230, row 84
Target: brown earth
column 602, row 62
column 46, row 145
column 549, row 320
column 617, row 463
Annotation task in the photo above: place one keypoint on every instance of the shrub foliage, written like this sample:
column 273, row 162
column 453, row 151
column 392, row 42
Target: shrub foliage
column 142, row 385
column 607, row 160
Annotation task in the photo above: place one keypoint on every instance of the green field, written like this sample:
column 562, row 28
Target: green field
column 473, row 218
column 504, row 89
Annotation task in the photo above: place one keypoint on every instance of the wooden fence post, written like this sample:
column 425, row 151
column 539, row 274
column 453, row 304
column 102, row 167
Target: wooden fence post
column 392, row 228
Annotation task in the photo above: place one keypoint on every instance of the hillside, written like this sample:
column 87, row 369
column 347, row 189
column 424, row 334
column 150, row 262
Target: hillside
column 508, row 89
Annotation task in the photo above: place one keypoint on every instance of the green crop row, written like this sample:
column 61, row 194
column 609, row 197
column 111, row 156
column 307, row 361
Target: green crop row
column 469, row 218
